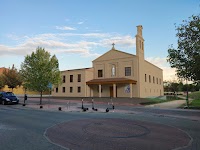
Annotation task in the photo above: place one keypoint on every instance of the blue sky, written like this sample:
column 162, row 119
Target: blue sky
column 78, row 31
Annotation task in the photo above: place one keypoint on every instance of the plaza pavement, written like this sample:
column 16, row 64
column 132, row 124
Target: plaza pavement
column 128, row 126
column 74, row 104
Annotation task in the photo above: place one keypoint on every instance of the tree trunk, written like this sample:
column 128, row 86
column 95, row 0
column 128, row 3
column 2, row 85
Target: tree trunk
column 41, row 98
column 187, row 101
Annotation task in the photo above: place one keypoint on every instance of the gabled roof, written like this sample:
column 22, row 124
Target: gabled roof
column 113, row 53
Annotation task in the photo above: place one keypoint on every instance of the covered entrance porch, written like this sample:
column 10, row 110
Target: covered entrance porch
column 110, row 87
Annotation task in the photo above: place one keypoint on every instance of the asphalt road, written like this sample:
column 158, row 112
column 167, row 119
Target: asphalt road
column 23, row 128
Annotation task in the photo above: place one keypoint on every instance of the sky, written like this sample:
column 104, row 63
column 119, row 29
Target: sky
column 78, row 31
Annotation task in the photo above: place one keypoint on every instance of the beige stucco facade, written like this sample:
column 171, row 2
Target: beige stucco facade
column 74, row 83
column 115, row 74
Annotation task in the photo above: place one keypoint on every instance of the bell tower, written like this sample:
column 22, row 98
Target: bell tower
column 139, row 43
column 140, row 56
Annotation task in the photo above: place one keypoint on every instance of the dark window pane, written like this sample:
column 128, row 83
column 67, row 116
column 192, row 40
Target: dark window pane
column 79, row 89
column 127, row 71
column 100, row 73
column 63, row 90
column 79, row 77
column 145, row 77
column 71, row 89
column 71, row 78
column 63, row 79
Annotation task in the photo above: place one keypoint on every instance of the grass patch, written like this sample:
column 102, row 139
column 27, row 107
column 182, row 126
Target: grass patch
column 195, row 95
column 159, row 100
column 195, row 103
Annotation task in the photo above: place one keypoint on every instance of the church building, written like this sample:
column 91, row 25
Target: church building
column 114, row 74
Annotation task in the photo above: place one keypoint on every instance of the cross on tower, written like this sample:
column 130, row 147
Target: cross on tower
column 113, row 44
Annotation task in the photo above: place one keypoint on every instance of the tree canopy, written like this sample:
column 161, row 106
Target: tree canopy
column 186, row 57
column 2, row 84
column 39, row 70
column 11, row 77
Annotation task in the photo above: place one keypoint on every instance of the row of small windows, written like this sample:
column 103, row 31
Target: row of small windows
column 152, row 90
column 70, row 89
column 153, row 79
column 71, row 77
column 127, row 72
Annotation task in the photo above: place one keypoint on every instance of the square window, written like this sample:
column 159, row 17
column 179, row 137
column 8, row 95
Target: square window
column 127, row 71
column 100, row 73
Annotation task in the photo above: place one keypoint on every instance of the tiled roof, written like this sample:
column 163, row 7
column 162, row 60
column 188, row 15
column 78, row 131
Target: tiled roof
column 111, row 81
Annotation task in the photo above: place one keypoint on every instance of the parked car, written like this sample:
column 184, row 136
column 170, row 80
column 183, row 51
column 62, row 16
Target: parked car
column 8, row 98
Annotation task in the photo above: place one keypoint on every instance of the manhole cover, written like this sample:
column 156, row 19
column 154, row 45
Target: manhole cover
column 117, row 134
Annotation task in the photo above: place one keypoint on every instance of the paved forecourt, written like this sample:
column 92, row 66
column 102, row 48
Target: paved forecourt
column 115, row 133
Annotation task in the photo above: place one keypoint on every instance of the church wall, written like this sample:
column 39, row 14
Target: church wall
column 121, row 90
column 119, row 64
column 153, row 86
column 75, row 84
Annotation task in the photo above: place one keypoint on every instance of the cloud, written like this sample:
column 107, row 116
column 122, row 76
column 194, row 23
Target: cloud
column 81, row 22
column 51, row 42
column 65, row 28
column 67, row 19
column 84, row 44
column 168, row 72
column 121, row 41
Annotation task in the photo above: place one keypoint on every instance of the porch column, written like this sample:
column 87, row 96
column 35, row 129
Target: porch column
column 99, row 90
column 131, row 90
column 91, row 92
column 88, row 91
column 114, row 90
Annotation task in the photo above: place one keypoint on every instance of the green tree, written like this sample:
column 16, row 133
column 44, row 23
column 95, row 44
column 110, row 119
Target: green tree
column 11, row 77
column 174, row 87
column 2, row 84
column 186, row 57
column 180, row 86
column 39, row 70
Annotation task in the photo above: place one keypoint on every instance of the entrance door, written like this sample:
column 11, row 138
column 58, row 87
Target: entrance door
column 111, row 91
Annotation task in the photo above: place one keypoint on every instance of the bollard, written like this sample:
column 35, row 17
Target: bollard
column 41, row 107
column 107, row 110
column 95, row 109
column 92, row 104
column 84, row 109
column 59, row 108
column 82, row 104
